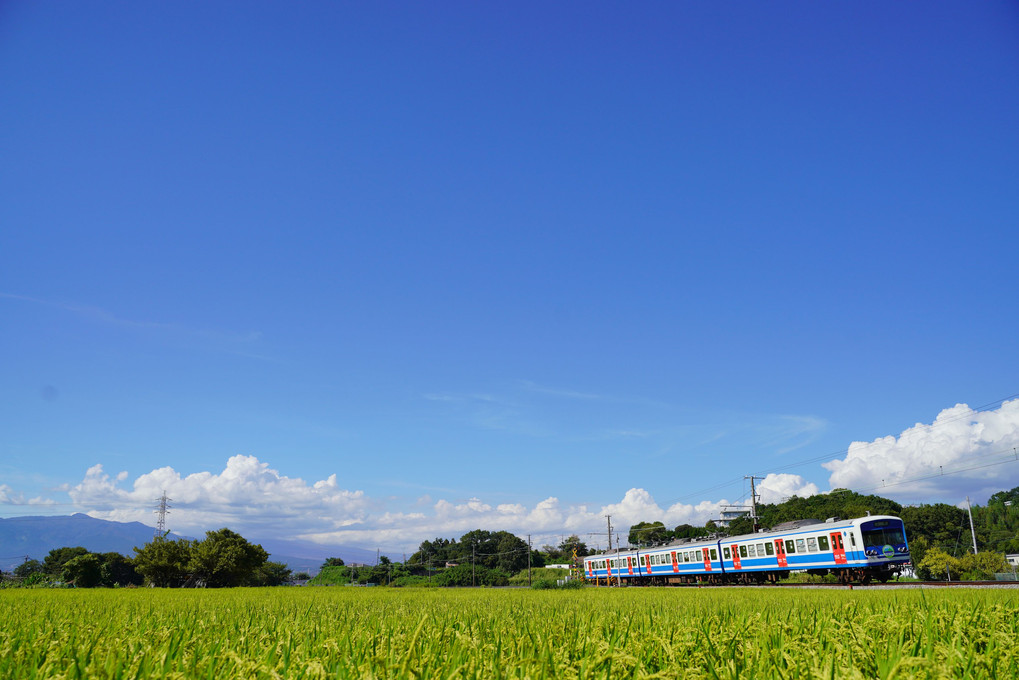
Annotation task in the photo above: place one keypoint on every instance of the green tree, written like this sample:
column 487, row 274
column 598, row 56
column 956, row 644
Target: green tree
column 937, row 565
column 1002, row 497
column 689, row 531
column 648, row 533
column 918, row 548
column 54, row 562
column 463, row 576
column 225, row 559
column 164, row 563
column 117, row 570
column 332, row 562
column 983, row 566
column 940, row 524
column 571, row 543
column 84, row 571
column 434, row 554
column 272, row 574
column 27, row 568
column 740, row 526
column 837, row 503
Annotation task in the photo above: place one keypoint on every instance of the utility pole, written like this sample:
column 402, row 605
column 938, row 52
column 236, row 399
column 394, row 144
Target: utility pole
column 528, row 560
column 474, row 581
column 753, row 501
column 608, row 519
column 972, row 531
column 161, row 510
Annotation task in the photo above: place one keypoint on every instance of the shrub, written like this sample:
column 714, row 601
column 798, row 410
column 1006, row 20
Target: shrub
column 553, row 584
column 465, row 575
column 520, row 578
column 411, row 582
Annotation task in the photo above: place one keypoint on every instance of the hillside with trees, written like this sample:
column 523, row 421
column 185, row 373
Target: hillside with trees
column 941, row 543
column 491, row 549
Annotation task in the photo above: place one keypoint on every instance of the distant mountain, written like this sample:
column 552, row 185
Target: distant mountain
column 34, row 537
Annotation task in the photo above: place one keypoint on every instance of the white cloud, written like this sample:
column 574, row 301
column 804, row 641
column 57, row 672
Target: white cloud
column 776, row 488
column 250, row 497
column 247, row 493
column 963, row 452
column 9, row 496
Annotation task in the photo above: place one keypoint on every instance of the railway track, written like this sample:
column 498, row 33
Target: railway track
column 891, row 585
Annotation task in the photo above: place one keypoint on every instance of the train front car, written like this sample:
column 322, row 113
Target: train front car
column 885, row 549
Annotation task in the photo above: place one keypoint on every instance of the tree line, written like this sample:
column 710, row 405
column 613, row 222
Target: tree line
column 222, row 559
column 478, row 558
column 939, row 534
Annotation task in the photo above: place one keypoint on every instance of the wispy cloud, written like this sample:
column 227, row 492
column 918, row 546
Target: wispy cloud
column 105, row 317
column 566, row 394
column 9, row 496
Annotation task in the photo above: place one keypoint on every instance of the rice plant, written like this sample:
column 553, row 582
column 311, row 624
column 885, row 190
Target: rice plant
column 514, row 633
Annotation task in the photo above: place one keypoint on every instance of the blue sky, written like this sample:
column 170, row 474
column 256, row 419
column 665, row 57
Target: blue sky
column 469, row 259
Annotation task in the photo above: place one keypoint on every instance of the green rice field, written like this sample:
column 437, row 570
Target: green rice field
column 591, row 633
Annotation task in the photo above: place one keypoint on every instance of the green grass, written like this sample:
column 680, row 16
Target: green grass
column 441, row 633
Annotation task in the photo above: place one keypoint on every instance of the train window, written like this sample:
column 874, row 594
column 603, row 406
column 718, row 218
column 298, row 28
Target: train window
column 769, row 548
column 725, row 554
column 790, row 547
column 751, row 550
column 714, row 554
column 811, row 544
column 760, row 550
column 852, row 539
column 742, row 551
column 800, row 547
column 822, row 543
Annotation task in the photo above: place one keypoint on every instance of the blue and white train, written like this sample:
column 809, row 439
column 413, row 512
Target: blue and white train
column 855, row 550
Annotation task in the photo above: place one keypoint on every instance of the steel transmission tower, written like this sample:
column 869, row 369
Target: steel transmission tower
column 162, row 509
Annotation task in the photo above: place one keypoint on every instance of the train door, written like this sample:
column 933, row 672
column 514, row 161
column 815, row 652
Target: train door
column 590, row 569
column 780, row 553
column 707, row 559
column 647, row 561
column 629, row 565
column 735, row 557
column 838, row 548
column 675, row 563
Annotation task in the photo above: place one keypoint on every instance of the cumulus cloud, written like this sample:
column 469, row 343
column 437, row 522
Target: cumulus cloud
column 245, row 493
column 249, row 496
column 963, row 452
column 776, row 488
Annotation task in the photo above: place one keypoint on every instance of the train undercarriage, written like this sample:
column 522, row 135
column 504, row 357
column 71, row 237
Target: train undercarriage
column 847, row 576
